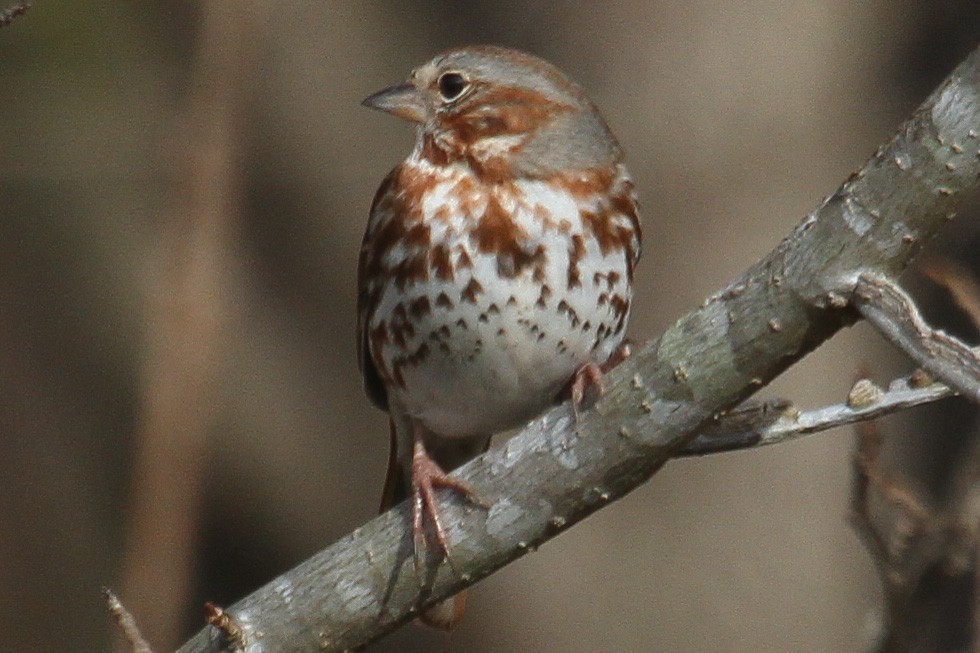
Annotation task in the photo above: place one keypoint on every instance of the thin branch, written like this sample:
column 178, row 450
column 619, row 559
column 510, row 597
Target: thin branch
column 924, row 553
column 893, row 313
column 776, row 422
column 126, row 623
column 7, row 16
column 865, row 459
column 230, row 632
column 557, row 471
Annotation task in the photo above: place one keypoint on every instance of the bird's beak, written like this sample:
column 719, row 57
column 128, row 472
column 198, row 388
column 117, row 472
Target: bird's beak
column 403, row 100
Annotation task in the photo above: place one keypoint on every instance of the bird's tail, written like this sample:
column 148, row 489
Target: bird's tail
column 446, row 614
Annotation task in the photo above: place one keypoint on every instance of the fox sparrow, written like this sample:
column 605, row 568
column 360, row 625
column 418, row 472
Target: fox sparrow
column 496, row 271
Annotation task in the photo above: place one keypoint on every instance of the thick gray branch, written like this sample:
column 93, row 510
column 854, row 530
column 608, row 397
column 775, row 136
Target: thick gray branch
column 556, row 472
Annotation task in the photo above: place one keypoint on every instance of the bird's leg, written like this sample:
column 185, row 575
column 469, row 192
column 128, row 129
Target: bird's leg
column 427, row 476
column 589, row 377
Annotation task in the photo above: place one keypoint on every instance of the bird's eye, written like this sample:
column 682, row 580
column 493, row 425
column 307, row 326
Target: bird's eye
column 452, row 86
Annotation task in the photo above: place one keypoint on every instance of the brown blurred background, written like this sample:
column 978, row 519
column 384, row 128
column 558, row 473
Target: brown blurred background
column 183, row 188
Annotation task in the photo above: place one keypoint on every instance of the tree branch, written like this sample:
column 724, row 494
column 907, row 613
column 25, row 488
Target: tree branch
column 127, row 624
column 7, row 16
column 925, row 554
column 556, row 472
column 925, row 551
column 761, row 425
column 893, row 313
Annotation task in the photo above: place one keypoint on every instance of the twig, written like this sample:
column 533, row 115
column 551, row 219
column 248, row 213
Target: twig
column 775, row 422
column 7, row 16
column 893, row 313
column 925, row 554
column 865, row 459
column 231, row 632
column 126, row 622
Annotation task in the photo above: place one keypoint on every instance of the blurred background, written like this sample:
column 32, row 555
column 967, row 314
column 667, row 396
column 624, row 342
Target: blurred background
column 183, row 189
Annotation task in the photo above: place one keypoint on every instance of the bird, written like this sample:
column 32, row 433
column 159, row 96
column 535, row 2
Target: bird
column 496, row 271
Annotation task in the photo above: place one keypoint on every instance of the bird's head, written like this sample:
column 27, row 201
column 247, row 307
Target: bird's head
column 502, row 112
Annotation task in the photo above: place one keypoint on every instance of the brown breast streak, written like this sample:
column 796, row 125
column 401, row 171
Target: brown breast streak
column 395, row 221
column 496, row 234
column 615, row 196
column 441, row 263
column 410, row 360
column 575, row 255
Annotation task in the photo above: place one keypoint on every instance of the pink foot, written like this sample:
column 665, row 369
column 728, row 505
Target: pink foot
column 427, row 476
column 587, row 381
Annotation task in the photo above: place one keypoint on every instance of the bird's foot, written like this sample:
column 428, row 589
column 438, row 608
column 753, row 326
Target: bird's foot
column 427, row 476
column 586, row 383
